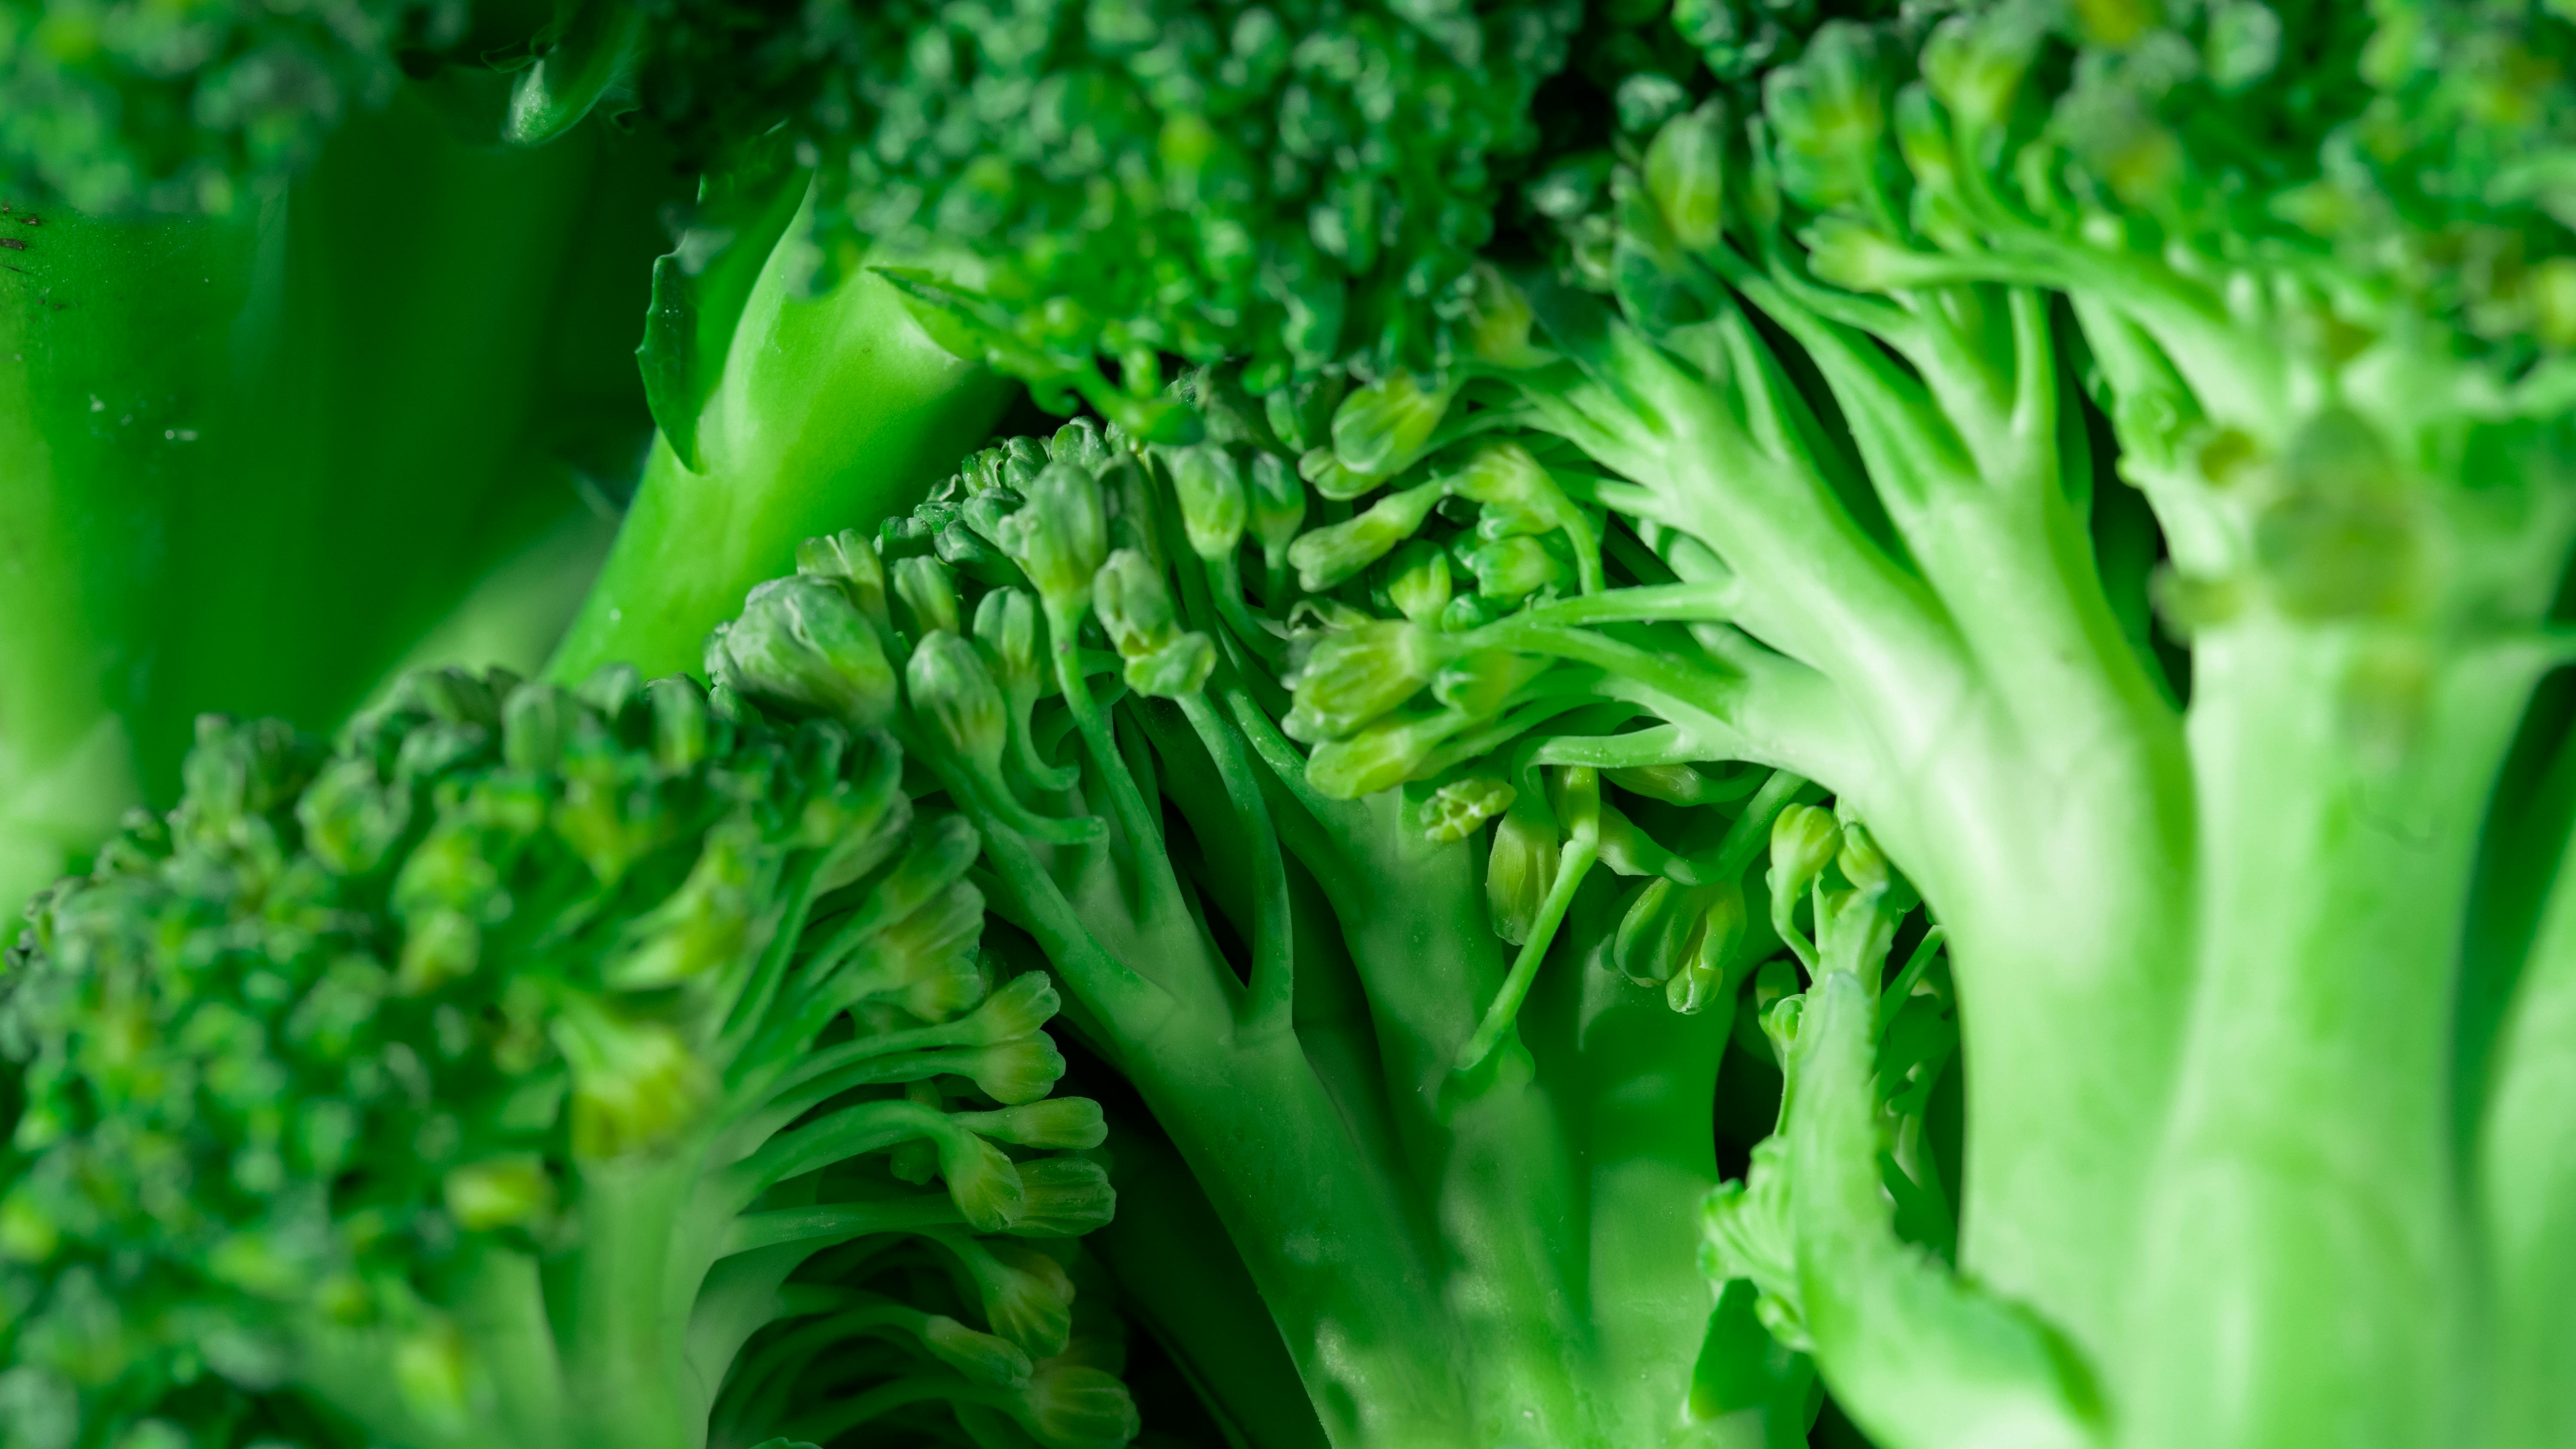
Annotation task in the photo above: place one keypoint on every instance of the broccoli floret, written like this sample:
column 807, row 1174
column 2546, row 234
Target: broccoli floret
column 2116, row 451
column 539, row 1067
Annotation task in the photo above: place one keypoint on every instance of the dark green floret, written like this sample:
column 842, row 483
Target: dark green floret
column 543, row 1068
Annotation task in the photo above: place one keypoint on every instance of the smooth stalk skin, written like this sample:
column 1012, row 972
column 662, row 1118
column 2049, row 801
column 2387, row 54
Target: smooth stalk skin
column 1644, row 1077
column 1335, row 1254
column 1175, row 1265
column 1490, row 1156
column 85, row 504
column 830, row 408
column 2305, row 1275
column 245, row 461
column 2525, row 1168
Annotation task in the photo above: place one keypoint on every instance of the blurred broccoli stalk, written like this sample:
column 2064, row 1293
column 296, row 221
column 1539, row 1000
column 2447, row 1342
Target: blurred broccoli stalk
column 540, row 1067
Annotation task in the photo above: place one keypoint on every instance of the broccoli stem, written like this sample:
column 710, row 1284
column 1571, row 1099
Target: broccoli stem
column 85, row 502
column 625, row 1351
column 2340, row 811
column 1174, row 1261
column 830, row 410
column 2526, row 1178
column 252, row 458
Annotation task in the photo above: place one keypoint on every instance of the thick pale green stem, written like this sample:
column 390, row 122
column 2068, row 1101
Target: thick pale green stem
column 626, row 1358
column 1492, row 1162
column 1648, row 1076
column 2305, row 1275
column 1174, row 1261
column 2526, row 1190
column 1317, row 1216
column 833, row 412
column 1323, row 1234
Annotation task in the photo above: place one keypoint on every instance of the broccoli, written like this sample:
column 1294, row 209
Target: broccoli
column 254, row 451
column 1972, row 583
column 543, row 1068
column 2116, row 452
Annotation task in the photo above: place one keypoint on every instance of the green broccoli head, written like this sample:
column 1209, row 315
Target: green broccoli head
column 178, row 108
column 1299, row 186
column 508, row 1068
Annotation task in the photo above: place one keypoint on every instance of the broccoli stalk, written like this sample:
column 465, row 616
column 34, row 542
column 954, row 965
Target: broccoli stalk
column 787, row 403
column 248, row 465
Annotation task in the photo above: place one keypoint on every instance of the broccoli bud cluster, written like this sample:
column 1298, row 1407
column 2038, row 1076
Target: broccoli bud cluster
column 537, row 1065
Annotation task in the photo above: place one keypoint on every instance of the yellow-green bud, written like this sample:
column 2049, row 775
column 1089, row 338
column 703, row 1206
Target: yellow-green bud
column 1828, row 114
column 1027, row 1295
column 1328, row 556
column 1686, row 174
column 1068, row 1123
column 1331, row 478
column 1803, row 839
column 981, row 1180
column 28, row 1233
column 1006, row 625
column 1353, row 676
column 2552, row 285
column 1178, row 668
column 1278, row 506
column 1134, row 605
column 981, row 1357
column 1059, row 536
column 1418, row 581
column 705, row 925
column 1301, row 412
column 803, row 646
column 1514, row 568
column 1861, row 861
column 1519, row 873
column 1704, row 978
column 929, row 595
column 1378, row 756
column 1079, row 1407
column 1457, row 809
column 1208, row 481
column 433, row 1373
column 351, row 819
column 1852, row 256
column 2117, row 24
column 1975, row 66
column 1023, row 1069
column 1383, row 426
column 1023, row 1004
column 439, row 946
column 1078, row 442
column 1063, row 1197
column 955, row 695
column 500, row 1192
column 848, row 557
column 636, row 1084
column 1498, row 320
column 1479, row 685
column 679, row 723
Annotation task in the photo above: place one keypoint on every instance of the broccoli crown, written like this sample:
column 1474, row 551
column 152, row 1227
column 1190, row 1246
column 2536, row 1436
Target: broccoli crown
column 1300, row 185
column 325, row 1070
column 174, row 107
